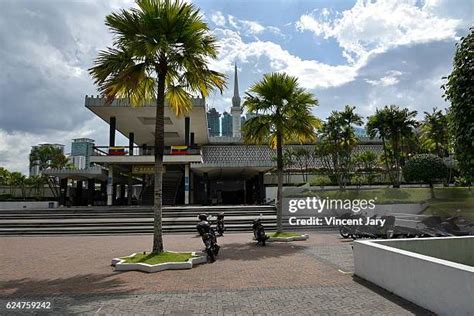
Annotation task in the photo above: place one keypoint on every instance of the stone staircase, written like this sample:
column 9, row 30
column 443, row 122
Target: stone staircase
column 171, row 182
column 126, row 219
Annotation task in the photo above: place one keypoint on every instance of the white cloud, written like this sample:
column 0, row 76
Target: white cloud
column 311, row 73
column 374, row 27
column 253, row 27
column 218, row 18
column 15, row 146
column 391, row 78
column 247, row 27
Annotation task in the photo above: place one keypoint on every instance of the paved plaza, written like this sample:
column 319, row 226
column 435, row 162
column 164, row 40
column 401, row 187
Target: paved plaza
column 309, row 277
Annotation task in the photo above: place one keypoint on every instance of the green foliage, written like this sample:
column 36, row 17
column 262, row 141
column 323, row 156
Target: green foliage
column 461, row 182
column 4, row 176
column 434, row 133
column 358, row 180
column 366, row 160
column 459, row 90
column 321, row 181
column 337, row 141
column 283, row 115
column 161, row 53
column 395, row 127
column 282, row 108
column 426, row 168
column 162, row 257
column 159, row 37
column 48, row 156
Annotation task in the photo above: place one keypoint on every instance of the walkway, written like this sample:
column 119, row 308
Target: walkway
column 310, row 277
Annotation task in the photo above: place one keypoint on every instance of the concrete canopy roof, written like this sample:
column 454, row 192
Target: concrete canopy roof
column 141, row 121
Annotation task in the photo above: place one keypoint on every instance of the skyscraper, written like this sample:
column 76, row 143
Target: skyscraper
column 81, row 150
column 227, row 124
column 213, row 122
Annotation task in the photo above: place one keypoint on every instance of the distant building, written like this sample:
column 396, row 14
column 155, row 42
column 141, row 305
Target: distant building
column 227, row 124
column 34, row 167
column 213, row 122
column 81, row 151
column 360, row 131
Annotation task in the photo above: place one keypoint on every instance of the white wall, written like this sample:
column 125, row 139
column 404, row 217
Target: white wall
column 441, row 286
column 25, row 204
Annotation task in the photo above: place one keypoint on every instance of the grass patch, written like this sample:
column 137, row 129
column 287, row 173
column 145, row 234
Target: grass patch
column 461, row 204
column 163, row 257
column 389, row 195
column 447, row 202
column 284, row 235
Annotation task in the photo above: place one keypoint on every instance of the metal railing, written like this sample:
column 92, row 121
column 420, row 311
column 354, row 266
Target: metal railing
column 145, row 150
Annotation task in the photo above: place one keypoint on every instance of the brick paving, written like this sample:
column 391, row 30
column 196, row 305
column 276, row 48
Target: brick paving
column 306, row 277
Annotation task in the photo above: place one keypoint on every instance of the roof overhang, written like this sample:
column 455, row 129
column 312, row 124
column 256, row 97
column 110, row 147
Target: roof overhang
column 141, row 121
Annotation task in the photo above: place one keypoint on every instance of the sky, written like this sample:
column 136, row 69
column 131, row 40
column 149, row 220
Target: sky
column 363, row 53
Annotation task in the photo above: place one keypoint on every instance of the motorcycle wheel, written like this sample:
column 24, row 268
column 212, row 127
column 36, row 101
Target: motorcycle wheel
column 210, row 256
column 216, row 250
column 344, row 231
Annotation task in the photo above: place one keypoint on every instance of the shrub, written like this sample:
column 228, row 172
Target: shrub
column 321, row 181
column 425, row 168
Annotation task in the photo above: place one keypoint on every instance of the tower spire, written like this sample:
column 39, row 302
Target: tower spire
column 236, row 82
column 236, row 109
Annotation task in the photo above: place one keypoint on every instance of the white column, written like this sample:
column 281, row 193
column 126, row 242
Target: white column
column 110, row 185
column 235, row 111
column 186, row 183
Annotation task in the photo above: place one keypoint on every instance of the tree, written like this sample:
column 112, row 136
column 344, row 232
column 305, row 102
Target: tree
column 284, row 116
column 161, row 53
column 36, row 184
column 427, row 168
column 4, row 175
column 339, row 138
column 303, row 158
column 49, row 157
column 434, row 133
column 395, row 127
column 17, row 179
column 289, row 156
column 368, row 162
column 459, row 90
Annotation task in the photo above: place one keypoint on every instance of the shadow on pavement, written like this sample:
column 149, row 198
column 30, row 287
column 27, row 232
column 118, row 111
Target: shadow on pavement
column 409, row 306
column 79, row 284
column 251, row 252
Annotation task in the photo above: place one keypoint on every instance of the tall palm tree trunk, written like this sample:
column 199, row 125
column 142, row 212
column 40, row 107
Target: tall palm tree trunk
column 159, row 152
column 279, row 203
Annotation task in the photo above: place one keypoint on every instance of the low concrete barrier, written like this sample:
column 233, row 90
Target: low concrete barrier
column 443, row 284
column 7, row 205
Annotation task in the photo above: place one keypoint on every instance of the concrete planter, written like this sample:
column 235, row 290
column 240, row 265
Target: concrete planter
column 434, row 273
column 286, row 239
column 120, row 265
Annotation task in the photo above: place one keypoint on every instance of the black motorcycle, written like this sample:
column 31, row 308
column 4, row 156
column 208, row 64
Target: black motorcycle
column 259, row 232
column 208, row 238
column 220, row 224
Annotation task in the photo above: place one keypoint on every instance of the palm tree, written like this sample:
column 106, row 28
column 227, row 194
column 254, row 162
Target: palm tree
column 394, row 126
column 284, row 115
column 47, row 157
column 338, row 134
column 17, row 179
column 434, row 132
column 161, row 51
